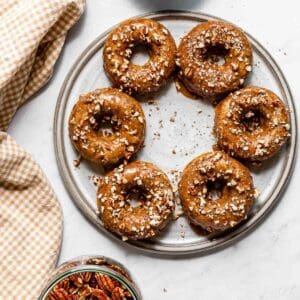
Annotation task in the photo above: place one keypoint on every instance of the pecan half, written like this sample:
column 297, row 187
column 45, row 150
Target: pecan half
column 85, row 291
column 76, row 280
column 118, row 294
column 86, row 276
column 99, row 295
column 64, row 284
column 58, row 294
column 105, row 282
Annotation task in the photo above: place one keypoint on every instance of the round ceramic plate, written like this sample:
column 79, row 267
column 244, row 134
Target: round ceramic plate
column 178, row 129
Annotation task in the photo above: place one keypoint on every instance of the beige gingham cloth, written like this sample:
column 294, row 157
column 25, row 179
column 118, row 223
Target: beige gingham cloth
column 32, row 34
column 30, row 224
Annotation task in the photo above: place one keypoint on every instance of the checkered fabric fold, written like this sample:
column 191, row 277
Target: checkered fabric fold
column 32, row 34
column 30, row 224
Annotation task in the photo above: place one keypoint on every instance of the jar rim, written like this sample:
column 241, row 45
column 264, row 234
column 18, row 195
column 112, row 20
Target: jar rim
column 93, row 269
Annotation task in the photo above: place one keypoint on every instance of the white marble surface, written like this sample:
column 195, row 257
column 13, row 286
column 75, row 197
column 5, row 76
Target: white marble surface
column 264, row 265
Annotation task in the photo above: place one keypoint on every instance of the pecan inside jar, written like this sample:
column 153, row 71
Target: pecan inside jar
column 89, row 286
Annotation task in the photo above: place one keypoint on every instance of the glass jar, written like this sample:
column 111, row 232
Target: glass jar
column 86, row 275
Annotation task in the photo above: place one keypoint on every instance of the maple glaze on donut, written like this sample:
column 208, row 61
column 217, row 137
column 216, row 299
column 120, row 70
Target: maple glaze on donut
column 119, row 48
column 154, row 195
column 251, row 124
column 115, row 109
column 235, row 187
column 204, row 76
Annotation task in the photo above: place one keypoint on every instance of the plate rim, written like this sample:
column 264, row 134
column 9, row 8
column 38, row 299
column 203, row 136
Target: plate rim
column 191, row 248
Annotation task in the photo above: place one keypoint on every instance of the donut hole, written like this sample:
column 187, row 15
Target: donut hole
column 252, row 120
column 136, row 196
column 215, row 189
column 140, row 54
column 215, row 54
column 106, row 124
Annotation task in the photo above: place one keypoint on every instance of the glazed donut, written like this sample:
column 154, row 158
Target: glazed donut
column 110, row 107
column 196, row 191
column 119, row 48
column 203, row 76
column 251, row 124
column 155, row 203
